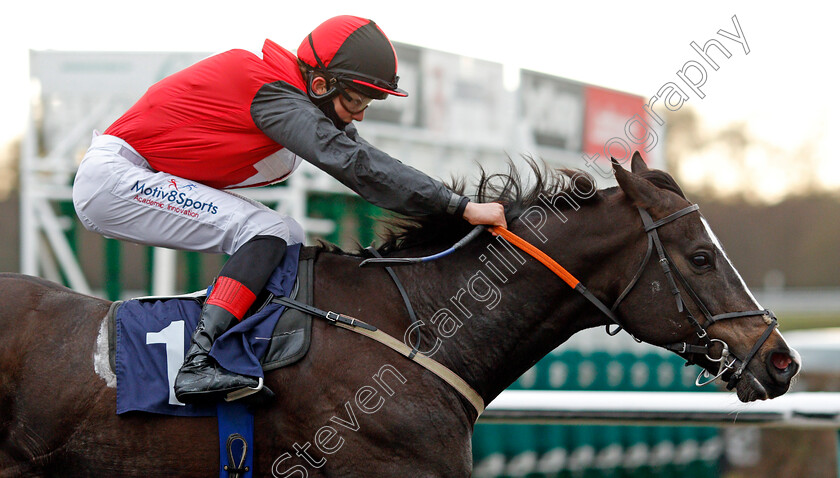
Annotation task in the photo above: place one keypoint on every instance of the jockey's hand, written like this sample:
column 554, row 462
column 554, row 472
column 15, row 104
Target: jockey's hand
column 488, row 213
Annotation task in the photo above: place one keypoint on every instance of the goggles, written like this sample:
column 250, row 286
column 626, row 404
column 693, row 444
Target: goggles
column 353, row 101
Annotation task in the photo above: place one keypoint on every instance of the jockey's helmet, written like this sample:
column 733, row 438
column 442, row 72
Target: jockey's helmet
column 351, row 52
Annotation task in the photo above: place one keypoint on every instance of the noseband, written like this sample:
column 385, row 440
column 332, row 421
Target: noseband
column 727, row 359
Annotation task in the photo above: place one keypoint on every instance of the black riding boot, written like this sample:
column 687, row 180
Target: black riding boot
column 200, row 377
column 242, row 277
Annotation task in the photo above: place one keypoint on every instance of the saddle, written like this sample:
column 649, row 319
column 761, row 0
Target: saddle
column 280, row 345
column 291, row 337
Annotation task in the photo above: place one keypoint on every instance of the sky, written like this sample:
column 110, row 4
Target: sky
column 784, row 88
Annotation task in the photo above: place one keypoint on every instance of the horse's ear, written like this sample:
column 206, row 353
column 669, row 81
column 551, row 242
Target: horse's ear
column 637, row 164
column 641, row 191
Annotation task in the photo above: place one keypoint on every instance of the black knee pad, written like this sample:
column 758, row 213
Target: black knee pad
column 253, row 263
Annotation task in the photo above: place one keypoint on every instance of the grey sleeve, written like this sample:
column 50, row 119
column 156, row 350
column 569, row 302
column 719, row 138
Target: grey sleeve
column 288, row 117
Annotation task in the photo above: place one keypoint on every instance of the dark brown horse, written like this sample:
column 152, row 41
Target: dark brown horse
column 354, row 408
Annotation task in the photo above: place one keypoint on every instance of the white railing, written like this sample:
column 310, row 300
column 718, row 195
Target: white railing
column 802, row 410
column 793, row 410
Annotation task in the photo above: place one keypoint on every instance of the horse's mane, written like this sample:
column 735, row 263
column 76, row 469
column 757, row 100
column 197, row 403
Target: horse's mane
column 508, row 188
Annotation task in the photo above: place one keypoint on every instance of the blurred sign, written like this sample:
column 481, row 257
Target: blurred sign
column 608, row 114
column 553, row 109
column 402, row 111
column 463, row 96
column 455, row 96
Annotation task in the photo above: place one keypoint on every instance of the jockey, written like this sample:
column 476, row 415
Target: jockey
column 158, row 176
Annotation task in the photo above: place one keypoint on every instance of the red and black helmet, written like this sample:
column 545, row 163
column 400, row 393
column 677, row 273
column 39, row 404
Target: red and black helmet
column 355, row 53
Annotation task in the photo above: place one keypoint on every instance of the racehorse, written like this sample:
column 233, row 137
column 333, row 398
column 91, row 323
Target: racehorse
column 488, row 312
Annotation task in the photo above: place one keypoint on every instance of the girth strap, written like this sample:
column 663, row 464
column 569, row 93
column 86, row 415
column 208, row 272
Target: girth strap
column 236, row 469
column 331, row 317
column 236, row 439
column 355, row 325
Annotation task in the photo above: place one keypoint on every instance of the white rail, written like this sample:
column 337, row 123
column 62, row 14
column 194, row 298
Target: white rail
column 793, row 410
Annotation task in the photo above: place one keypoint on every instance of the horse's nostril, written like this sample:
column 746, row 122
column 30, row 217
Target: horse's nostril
column 781, row 361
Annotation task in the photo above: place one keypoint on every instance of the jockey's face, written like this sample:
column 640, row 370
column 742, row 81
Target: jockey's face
column 351, row 105
column 348, row 108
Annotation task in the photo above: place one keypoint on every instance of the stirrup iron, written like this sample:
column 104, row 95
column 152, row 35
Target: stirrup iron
column 244, row 392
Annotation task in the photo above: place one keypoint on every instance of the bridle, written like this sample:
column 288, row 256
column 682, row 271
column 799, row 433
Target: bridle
column 727, row 359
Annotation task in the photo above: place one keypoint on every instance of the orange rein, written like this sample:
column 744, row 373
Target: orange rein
column 537, row 254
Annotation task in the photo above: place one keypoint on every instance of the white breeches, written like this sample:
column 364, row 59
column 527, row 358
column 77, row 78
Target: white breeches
column 118, row 195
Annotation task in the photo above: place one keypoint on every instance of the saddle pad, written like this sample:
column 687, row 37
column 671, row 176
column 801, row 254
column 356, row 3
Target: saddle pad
column 149, row 351
column 151, row 335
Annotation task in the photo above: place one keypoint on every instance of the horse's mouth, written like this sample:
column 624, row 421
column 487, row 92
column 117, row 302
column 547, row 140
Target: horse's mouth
column 770, row 381
column 773, row 379
column 749, row 389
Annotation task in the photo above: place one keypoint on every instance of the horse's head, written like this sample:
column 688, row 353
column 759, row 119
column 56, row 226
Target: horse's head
column 688, row 297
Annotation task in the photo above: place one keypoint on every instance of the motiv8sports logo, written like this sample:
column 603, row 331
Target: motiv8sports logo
column 175, row 197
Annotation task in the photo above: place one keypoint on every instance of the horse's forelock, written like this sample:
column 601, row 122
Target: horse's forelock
column 663, row 180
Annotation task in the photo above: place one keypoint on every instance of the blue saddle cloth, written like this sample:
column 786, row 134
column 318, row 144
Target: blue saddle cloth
column 153, row 335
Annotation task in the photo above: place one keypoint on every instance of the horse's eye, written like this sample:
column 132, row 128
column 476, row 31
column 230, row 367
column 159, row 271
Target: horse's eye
column 701, row 260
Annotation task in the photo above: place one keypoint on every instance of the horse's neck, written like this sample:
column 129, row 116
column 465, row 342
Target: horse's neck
column 513, row 309
column 489, row 311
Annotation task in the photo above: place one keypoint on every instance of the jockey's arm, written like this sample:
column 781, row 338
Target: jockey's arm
column 286, row 115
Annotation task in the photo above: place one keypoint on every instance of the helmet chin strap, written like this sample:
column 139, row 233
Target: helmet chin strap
column 328, row 108
column 320, row 70
column 324, row 101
